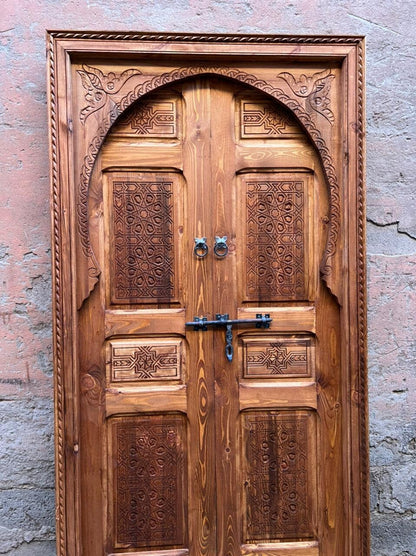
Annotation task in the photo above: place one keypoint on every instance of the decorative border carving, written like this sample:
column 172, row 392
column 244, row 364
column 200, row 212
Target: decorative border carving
column 315, row 89
column 58, row 309
column 249, row 79
column 362, row 309
column 195, row 37
column 100, row 86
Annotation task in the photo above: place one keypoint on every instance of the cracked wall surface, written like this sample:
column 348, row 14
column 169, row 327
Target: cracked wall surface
column 26, row 407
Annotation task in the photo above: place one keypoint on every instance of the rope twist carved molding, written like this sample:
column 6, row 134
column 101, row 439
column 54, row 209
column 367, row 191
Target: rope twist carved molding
column 182, row 73
column 183, row 37
column 362, row 314
column 58, row 325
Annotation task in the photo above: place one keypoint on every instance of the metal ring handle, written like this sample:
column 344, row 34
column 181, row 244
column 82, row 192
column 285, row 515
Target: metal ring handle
column 221, row 247
column 201, row 247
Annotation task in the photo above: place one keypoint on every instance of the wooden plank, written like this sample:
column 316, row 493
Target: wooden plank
column 199, row 286
column 284, row 319
column 119, row 401
column 118, row 323
column 307, row 548
column 277, row 395
column 225, row 300
column 131, row 154
column 290, row 155
column 174, row 552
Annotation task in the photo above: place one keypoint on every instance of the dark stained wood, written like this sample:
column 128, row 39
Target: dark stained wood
column 164, row 446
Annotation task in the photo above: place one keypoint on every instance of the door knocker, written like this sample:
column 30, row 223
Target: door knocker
column 201, row 247
column 221, row 247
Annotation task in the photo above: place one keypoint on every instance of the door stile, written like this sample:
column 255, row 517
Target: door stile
column 225, row 301
column 197, row 172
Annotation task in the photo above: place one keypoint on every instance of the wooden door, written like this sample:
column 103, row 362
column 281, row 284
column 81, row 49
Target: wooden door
column 208, row 198
column 197, row 452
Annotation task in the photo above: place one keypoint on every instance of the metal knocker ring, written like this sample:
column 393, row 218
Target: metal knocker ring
column 221, row 247
column 201, row 247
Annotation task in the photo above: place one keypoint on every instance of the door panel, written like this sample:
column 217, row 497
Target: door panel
column 201, row 455
column 279, row 465
column 147, row 481
column 275, row 236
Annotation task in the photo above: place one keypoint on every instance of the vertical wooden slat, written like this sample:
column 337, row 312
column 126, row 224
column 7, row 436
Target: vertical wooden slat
column 197, row 172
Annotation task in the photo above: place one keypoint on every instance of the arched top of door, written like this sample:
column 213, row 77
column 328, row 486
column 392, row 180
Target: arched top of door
column 329, row 264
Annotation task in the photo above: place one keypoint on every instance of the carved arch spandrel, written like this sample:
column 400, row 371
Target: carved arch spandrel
column 330, row 263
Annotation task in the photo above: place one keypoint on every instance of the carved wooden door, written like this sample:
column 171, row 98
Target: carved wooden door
column 209, row 195
column 200, row 452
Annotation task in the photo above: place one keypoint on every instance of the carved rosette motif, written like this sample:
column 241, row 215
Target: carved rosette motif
column 278, row 503
column 275, row 263
column 143, row 254
column 149, row 481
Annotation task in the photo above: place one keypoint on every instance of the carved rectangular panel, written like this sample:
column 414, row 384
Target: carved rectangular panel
column 145, row 360
column 143, row 244
column 149, row 476
column 147, row 119
column 276, row 247
column 279, row 482
column 278, row 357
column 260, row 119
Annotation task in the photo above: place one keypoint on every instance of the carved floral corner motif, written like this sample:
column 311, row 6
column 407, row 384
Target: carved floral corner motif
column 315, row 89
column 99, row 86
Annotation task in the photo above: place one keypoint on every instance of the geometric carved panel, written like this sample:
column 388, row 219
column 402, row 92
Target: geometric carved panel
column 277, row 357
column 278, row 484
column 275, row 236
column 149, row 481
column 264, row 120
column 143, row 255
column 145, row 360
column 155, row 118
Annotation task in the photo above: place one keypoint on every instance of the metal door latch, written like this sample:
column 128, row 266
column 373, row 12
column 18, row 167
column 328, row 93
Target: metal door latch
column 202, row 323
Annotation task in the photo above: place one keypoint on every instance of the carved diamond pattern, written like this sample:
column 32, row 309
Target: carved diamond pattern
column 275, row 240
column 145, row 362
column 277, row 358
column 149, row 478
column 278, row 505
column 143, row 241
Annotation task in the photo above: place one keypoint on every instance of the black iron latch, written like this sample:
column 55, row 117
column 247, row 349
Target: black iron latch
column 202, row 323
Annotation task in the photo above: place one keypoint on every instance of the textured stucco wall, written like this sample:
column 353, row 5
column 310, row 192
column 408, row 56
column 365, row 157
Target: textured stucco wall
column 26, row 409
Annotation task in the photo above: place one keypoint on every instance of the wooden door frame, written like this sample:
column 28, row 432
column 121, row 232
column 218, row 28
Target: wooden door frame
column 73, row 257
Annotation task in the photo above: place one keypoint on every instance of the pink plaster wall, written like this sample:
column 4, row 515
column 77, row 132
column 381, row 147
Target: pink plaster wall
column 26, row 425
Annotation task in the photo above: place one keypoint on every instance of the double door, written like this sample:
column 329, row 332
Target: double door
column 208, row 201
